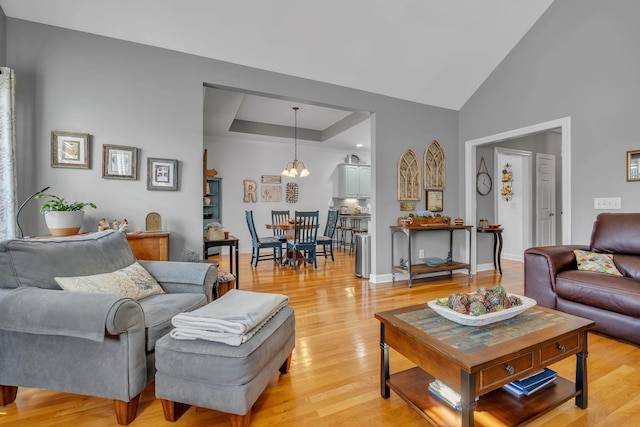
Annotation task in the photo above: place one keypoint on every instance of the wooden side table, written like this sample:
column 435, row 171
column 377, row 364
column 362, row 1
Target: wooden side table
column 150, row 246
column 497, row 245
column 232, row 242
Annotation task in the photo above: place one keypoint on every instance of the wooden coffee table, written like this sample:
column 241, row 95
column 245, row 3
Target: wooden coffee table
column 476, row 361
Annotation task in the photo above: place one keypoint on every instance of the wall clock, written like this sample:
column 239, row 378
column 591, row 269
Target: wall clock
column 483, row 179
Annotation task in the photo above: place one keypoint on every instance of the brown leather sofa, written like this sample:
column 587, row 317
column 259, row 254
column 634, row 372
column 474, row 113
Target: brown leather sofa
column 613, row 302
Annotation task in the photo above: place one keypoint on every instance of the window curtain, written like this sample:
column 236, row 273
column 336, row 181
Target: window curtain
column 8, row 179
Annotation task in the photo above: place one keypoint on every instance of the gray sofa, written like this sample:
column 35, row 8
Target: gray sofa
column 87, row 343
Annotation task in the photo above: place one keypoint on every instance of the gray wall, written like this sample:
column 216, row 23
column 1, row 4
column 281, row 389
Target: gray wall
column 578, row 60
column 129, row 94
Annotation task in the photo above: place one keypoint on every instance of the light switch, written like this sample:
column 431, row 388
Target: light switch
column 607, row 203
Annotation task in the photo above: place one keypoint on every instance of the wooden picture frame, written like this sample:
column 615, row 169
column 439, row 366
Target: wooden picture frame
column 163, row 174
column 271, row 179
column 633, row 165
column 119, row 162
column 434, row 200
column 70, row 150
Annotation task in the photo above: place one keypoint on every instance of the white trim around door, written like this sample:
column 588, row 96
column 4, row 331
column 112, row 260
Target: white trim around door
column 470, row 174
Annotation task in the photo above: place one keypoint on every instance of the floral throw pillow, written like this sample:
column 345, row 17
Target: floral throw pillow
column 591, row 261
column 132, row 281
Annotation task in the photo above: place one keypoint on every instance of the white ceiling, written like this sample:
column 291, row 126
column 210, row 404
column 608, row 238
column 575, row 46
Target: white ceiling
column 435, row 52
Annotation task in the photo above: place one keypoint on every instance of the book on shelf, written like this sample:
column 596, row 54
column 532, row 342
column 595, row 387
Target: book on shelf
column 529, row 385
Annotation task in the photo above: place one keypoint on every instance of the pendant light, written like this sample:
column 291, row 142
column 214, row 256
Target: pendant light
column 292, row 168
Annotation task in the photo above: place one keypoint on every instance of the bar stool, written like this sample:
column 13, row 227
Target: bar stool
column 355, row 228
column 346, row 234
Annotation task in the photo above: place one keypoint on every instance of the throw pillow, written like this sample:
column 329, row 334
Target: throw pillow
column 591, row 261
column 132, row 281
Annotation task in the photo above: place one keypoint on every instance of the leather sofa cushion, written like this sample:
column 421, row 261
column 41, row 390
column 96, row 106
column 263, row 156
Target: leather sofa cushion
column 628, row 265
column 613, row 293
column 616, row 233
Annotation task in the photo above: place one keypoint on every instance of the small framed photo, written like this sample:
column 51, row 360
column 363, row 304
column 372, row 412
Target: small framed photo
column 434, row 201
column 119, row 162
column 162, row 174
column 69, row 150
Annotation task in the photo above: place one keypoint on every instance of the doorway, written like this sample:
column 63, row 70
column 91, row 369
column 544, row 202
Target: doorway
column 564, row 128
column 513, row 213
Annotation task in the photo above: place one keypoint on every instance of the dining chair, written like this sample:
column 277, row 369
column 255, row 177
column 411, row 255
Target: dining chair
column 326, row 239
column 305, row 239
column 280, row 217
column 259, row 243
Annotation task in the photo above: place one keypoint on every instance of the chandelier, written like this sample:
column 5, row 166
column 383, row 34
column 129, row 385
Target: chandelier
column 292, row 168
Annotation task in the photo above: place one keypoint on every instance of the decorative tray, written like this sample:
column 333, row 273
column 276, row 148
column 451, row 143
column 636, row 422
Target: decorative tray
column 483, row 319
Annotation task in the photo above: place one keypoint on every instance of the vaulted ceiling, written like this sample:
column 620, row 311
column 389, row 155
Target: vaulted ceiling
column 435, row 52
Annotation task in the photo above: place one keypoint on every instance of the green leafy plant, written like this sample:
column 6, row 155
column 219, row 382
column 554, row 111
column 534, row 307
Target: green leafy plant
column 57, row 204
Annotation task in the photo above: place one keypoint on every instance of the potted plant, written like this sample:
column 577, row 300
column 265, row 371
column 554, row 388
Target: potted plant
column 62, row 218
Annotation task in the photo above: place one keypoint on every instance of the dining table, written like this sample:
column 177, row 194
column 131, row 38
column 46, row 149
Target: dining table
column 289, row 227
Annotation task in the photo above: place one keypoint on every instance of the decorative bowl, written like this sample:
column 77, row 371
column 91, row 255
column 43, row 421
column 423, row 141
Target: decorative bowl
column 483, row 319
column 494, row 226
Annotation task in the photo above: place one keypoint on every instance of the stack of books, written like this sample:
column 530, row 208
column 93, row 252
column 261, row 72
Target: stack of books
column 446, row 394
column 532, row 383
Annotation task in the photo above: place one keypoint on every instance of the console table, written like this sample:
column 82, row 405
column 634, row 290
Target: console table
column 497, row 245
column 150, row 246
column 415, row 270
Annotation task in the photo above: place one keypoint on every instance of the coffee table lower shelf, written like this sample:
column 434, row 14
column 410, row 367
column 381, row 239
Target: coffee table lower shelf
column 497, row 408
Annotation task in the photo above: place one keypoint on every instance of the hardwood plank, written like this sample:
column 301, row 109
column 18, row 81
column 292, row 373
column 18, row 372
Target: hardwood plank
column 334, row 375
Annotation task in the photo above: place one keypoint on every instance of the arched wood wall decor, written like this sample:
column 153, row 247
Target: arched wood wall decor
column 435, row 167
column 409, row 176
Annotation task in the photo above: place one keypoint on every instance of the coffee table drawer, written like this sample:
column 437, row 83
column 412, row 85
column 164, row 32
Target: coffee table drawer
column 506, row 371
column 559, row 349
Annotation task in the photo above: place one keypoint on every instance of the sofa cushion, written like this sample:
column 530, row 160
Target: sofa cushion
column 614, row 293
column 36, row 262
column 600, row 263
column 132, row 281
column 160, row 309
column 628, row 265
column 616, row 233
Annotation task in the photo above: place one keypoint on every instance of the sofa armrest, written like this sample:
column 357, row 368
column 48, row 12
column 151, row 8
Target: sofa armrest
column 74, row 314
column 184, row 277
column 541, row 266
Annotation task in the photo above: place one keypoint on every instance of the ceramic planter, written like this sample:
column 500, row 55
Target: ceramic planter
column 64, row 223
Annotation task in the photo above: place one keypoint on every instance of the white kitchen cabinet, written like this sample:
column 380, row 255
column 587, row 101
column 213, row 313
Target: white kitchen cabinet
column 355, row 181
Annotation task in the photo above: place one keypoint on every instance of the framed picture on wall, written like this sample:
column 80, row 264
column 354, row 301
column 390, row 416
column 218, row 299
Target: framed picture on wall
column 119, row 162
column 434, row 201
column 162, row 174
column 69, row 150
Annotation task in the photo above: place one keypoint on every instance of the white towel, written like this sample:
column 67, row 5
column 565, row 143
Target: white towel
column 232, row 319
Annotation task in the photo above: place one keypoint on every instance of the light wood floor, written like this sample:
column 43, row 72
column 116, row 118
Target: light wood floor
column 334, row 377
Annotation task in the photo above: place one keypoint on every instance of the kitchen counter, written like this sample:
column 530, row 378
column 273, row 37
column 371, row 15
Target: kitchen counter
column 357, row 216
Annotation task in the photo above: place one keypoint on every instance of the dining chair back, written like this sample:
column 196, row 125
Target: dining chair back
column 325, row 241
column 305, row 238
column 258, row 243
column 280, row 217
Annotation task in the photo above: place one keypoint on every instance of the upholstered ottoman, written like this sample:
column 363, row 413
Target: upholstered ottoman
column 223, row 377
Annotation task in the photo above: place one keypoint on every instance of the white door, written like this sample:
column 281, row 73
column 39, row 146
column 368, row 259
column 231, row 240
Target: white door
column 514, row 215
column 545, row 200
